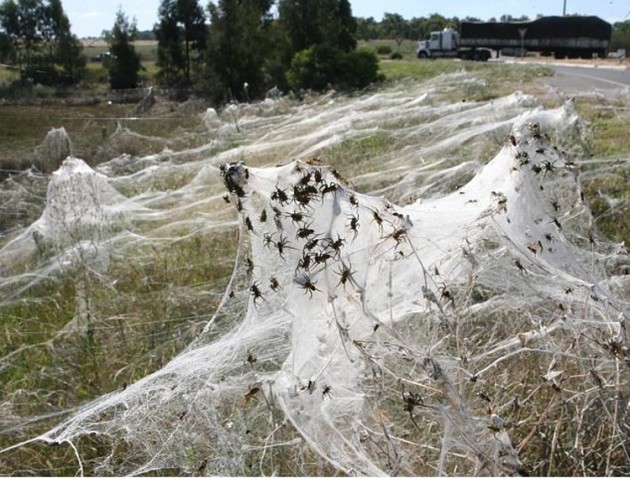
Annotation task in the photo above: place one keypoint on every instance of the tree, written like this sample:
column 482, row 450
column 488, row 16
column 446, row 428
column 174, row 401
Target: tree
column 344, row 26
column 64, row 47
column 393, row 25
column 10, row 33
column 437, row 22
column 181, row 34
column 21, row 25
column 238, row 49
column 367, row 28
column 313, row 22
column 510, row 18
column 620, row 37
column 37, row 38
column 169, row 53
column 124, row 65
column 307, row 24
column 31, row 16
column 321, row 66
column 299, row 20
column 321, row 45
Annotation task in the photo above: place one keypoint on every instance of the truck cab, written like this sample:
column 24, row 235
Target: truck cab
column 439, row 44
column 446, row 44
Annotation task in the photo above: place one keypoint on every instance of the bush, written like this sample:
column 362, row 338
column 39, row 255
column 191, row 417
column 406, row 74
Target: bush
column 322, row 66
column 384, row 50
column 395, row 56
column 47, row 76
column 361, row 69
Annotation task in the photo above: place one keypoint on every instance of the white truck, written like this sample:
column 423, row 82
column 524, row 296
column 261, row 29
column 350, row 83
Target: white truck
column 572, row 37
column 446, row 44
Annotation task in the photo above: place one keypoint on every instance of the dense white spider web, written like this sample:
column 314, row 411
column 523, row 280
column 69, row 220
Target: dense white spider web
column 354, row 331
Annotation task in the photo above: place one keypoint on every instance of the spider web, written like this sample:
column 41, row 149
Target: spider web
column 356, row 333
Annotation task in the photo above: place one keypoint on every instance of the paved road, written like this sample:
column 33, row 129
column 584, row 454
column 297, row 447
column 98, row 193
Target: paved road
column 582, row 79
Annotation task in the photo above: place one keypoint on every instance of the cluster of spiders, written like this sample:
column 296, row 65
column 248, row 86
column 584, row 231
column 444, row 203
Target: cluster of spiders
column 524, row 159
column 290, row 209
column 544, row 161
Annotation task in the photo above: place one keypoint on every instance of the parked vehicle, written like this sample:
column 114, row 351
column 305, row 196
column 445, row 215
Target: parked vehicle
column 572, row 37
column 101, row 57
column 447, row 44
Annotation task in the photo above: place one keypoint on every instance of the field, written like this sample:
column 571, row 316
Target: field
column 143, row 296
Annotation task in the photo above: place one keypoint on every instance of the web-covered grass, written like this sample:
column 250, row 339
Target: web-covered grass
column 394, row 283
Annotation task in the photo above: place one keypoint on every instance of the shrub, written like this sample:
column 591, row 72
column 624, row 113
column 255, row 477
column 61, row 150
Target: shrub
column 322, row 66
column 361, row 69
column 396, row 56
column 384, row 50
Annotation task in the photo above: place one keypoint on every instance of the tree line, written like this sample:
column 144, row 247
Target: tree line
column 394, row 25
column 227, row 50
column 35, row 37
column 241, row 50
column 231, row 50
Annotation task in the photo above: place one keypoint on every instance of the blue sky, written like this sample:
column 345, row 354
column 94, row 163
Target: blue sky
column 91, row 17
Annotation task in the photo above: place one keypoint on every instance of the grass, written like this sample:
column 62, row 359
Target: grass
column 610, row 125
column 123, row 323
column 147, row 49
column 607, row 183
column 24, row 127
column 500, row 79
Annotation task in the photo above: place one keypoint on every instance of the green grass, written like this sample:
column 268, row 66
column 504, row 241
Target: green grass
column 607, row 187
column 407, row 48
column 610, row 125
column 7, row 75
column 24, row 127
column 500, row 79
column 146, row 49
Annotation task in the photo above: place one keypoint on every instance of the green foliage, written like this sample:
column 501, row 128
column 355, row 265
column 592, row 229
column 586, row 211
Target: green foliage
column 394, row 25
column 344, row 27
column 36, row 37
column 66, row 48
column 321, row 66
column 322, row 44
column 238, row 46
column 124, row 65
column 620, row 36
column 181, row 34
column 248, row 52
column 315, row 22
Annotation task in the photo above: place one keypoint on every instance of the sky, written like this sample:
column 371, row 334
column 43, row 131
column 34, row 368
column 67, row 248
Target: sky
column 91, row 17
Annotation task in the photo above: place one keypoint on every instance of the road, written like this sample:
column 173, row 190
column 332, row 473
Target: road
column 574, row 79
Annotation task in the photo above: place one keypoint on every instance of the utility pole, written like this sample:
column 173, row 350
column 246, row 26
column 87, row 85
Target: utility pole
column 564, row 9
column 522, row 32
